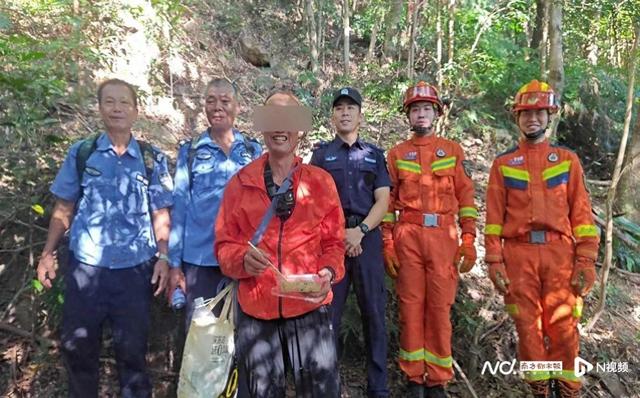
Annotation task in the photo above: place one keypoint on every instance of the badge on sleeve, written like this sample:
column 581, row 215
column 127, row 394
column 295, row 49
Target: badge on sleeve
column 553, row 157
column 441, row 153
column 467, row 165
column 166, row 181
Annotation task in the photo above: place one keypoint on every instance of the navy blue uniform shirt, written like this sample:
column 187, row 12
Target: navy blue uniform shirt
column 358, row 170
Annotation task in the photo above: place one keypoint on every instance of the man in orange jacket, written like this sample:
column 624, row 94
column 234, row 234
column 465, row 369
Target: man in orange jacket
column 431, row 185
column 541, row 242
column 306, row 236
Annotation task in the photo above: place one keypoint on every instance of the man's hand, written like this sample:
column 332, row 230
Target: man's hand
column 46, row 270
column 583, row 276
column 352, row 239
column 498, row 275
column 391, row 263
column 176, row 280
column 255, row 262
column 466, row 255
column 160, row 276
column 325, row 281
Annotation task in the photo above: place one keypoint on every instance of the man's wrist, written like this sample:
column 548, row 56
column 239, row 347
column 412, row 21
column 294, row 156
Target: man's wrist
column 163, row 257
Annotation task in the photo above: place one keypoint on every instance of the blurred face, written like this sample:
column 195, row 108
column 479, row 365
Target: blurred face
column 281, row 143
column 421, row 114
column 346, row 116
column 117, row 108
column 221, row 108
column 532, row 120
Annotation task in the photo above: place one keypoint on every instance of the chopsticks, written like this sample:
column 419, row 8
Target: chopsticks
column 273, row 267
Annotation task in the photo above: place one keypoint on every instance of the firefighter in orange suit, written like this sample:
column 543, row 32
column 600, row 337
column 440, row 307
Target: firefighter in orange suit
column 541, row 242
column 431, row 185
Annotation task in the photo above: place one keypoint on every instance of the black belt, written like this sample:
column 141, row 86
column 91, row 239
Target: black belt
column 352, row 221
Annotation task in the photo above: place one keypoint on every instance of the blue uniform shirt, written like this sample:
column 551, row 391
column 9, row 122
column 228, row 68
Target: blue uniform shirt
column 112, row 225
column 196, row 207
column 358, row 170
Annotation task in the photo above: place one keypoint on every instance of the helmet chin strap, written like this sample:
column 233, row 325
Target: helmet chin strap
column 419, row 130
column 535, row 135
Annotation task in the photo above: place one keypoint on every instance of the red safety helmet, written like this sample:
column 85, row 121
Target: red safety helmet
column 421, row 92
column 536, row 95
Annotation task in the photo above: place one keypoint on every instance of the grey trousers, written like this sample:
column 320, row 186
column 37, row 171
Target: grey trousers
column 266, row 349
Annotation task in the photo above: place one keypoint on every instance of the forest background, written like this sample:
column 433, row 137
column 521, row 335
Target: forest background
column 53, row 53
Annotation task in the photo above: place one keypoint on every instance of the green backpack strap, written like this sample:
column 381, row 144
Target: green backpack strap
column 87, row 147
column 149, row 155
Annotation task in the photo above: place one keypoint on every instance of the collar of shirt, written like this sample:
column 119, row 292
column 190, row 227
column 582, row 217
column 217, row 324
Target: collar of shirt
column 205, row 139
column 338, row 143
column 104, row 144
column 530, row 146
column 423, row 140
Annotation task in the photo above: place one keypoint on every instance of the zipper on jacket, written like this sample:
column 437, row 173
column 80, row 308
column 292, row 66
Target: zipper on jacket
column 280, row 263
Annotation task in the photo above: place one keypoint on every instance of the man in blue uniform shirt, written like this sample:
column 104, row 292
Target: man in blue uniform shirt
column 359, row 171
column 114, row 193
column 204, row 167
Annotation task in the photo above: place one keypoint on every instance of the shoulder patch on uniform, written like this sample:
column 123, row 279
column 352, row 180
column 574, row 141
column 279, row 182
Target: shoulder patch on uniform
column 93, row 171
column 412, row 155
column 370, row 160
column 467, row 165
column 440, row 153
column 508, row 151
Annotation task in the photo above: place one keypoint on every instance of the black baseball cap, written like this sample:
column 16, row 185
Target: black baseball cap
column 348, row 92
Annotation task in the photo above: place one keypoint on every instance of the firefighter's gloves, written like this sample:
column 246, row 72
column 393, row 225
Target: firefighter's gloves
column 466, row 255
column 583, row 276
column 498, row 275
column 391, row 262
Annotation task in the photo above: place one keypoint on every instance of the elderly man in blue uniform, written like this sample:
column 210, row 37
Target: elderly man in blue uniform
column 359, row 171
column 114, row 191
column 205, row 166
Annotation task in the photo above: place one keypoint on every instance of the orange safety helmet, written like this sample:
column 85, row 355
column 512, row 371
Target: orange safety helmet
column 421, row 92
column 535, row 95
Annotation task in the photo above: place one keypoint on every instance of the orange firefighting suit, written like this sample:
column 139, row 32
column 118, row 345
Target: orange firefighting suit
column 429, row 188
column 538, row 220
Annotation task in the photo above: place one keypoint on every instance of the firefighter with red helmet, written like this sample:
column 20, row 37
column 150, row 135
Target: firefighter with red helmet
column 541, row 242
column 431, row 190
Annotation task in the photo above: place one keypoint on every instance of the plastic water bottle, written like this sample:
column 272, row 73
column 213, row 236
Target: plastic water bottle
column 178, row 299
column 202, row 316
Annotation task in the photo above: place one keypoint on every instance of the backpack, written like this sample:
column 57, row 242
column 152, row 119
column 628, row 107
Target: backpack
column 89, row 144
column 192, row 153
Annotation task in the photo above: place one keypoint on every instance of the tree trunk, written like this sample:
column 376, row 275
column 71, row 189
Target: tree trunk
column 538, row 29
column 544, row 43
column 347, row 31
column 611, row 194
column 451, row 32
column 313, row 35
column 321, row 29
column 628, row 202
column 439, row 39
column 393, row 28
column 372, row 41
column 414, row 12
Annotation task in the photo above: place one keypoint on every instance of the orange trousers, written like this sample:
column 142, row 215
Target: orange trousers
column 545, row 309
column 426, row 288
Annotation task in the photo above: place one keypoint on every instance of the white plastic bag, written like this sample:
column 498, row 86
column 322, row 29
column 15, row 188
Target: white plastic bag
column 209, row 350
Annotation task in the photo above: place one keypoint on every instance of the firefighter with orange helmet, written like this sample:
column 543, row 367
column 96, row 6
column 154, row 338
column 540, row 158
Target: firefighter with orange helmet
column 541, row 242
column 431, row 188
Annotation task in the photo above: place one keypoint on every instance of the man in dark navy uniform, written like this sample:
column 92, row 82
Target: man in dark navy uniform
column 359, row 171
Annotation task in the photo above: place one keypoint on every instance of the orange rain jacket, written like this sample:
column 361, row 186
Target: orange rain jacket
column 311, row 239
column 538, row 187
